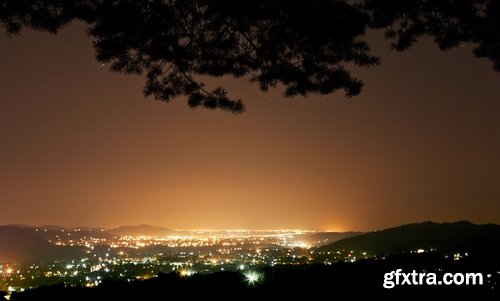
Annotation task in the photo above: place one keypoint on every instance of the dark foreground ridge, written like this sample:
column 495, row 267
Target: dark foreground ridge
column 358, row 279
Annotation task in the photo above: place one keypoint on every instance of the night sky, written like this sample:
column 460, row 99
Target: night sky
column 80, row 145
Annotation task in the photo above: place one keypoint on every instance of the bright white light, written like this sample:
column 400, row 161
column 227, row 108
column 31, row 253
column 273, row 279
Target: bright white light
column 241, row 267
column 253, row 277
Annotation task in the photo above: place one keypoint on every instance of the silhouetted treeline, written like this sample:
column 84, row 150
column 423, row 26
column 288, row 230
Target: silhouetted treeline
column 302, row 45
column 340, row 280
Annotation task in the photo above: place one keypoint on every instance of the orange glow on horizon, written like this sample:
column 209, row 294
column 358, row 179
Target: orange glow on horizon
column 81, row 146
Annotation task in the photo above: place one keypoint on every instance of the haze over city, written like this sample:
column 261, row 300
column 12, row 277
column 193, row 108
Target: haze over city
column 82, row 147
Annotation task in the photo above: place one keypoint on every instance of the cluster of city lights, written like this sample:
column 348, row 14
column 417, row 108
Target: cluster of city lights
column 141, row 257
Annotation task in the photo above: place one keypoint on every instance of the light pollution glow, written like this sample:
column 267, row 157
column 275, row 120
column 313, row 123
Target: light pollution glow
column 81, row 146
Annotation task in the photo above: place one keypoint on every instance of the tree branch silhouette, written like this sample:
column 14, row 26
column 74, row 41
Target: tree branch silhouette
column 301, row 45
column 450, row 22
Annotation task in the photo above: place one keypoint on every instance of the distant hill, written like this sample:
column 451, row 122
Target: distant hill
column 325, row 238
column 141, row 230
column 53, row 228
column 55, row 233
column 22, row 245
column 18, row 225
column 443, row 237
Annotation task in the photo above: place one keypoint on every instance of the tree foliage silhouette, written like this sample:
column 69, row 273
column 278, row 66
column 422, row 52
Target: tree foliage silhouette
column 449, row 22
column 302, row 45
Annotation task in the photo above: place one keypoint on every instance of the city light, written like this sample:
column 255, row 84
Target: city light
column 253, row 277
column 186, row 273
column 139, row 258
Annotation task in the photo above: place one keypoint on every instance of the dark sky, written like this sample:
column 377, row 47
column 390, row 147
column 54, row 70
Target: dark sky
column 82, row 146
